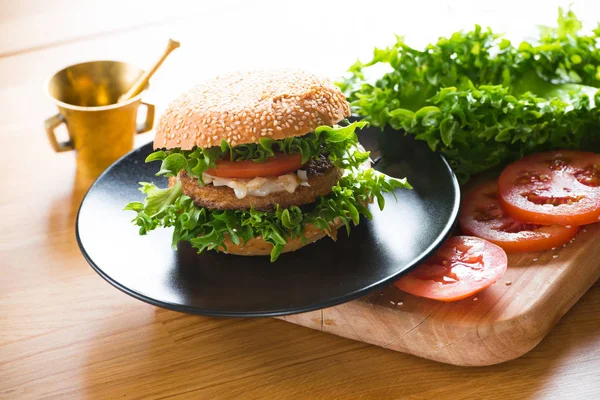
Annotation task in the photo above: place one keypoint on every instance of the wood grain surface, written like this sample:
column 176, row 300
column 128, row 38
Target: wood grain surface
column 66, row 333
column 499, row 324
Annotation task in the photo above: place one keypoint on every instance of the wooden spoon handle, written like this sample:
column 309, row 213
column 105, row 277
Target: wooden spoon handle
column 142, row 81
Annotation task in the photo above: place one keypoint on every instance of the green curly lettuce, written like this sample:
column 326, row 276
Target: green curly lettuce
column 416, row 75
column 480, row 100
column 333, row 141
column 480, row 127
column 207, row 229
column 564, row 54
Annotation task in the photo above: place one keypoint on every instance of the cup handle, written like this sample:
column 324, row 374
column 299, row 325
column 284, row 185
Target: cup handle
column 149, row 123
column 51, row 124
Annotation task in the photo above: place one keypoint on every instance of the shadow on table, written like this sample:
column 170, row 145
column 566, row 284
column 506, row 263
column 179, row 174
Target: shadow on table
column 62, row 210
column 265, row 358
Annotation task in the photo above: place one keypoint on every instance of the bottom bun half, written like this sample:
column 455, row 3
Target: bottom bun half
column 259, row 247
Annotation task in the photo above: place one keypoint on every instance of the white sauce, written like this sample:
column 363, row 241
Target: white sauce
column 264, row 186
column 260, row 186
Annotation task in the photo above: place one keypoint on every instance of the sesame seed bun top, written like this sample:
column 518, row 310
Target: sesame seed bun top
column 242, row 107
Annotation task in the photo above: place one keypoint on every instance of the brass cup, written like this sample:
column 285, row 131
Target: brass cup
column 100, row 129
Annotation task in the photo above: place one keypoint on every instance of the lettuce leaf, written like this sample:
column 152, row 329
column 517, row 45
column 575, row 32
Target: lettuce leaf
column 564, row 55
column 480, row 100
column 477, row 128
column 207, row 229
column 329, row 140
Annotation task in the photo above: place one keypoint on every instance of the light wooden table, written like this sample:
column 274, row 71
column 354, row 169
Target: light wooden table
column 66, row 333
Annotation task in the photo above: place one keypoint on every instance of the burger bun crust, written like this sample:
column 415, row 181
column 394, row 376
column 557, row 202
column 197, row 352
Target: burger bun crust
column 257, row 246
column 244, row 107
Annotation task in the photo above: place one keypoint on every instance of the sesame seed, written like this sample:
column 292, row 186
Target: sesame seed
column 508, row 283
column 535, row 259
column 243, row 106
column 475, row 299
column 555, row 256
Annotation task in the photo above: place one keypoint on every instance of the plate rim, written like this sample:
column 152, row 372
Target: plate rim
column 447, row 231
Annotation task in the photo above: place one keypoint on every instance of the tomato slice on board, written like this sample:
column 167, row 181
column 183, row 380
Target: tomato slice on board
column 463, row 266
column 281, row 164
column 557, row 187
column 482, row 216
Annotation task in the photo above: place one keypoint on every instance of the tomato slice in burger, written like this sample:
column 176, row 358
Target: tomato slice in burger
column 463, row 266
column 281, row 164
column 482, row 216
column 558, row 187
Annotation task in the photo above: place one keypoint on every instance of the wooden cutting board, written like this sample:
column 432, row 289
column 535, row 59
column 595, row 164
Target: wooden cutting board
column 499, row 324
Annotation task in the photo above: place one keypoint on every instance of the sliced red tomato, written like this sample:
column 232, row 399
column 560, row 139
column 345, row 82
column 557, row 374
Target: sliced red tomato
column 463, row 266
column 557, row 187
column 482, row 216
column 281, row 164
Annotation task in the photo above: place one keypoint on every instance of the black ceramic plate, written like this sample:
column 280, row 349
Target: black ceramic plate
column 319, row 275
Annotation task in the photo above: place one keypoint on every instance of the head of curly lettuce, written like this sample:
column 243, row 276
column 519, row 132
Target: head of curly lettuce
column 208, row 228
column 482, row 101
